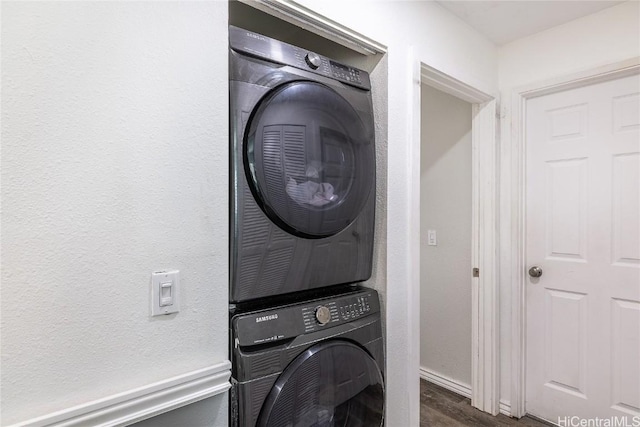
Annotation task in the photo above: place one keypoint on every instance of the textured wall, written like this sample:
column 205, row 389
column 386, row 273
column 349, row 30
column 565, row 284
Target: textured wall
column 379, row 76
column 445, row 206
column 114, row 165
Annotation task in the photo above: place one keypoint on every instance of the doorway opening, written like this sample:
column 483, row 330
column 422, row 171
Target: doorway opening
column 481, row 272
column 446, row 240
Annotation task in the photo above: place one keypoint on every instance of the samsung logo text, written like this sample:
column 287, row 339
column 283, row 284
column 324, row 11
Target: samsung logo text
column 257, row 36
column 266, row 318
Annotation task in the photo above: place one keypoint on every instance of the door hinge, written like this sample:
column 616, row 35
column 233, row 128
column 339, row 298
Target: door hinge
column 476, row 272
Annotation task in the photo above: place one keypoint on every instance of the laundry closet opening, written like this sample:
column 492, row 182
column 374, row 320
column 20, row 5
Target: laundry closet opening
column 446, row 240
column 247, row 17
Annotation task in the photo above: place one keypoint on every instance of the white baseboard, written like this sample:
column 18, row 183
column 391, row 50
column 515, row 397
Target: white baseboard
column 135, row 405
column 446, row 382
column 457, row 387
column 505, row 408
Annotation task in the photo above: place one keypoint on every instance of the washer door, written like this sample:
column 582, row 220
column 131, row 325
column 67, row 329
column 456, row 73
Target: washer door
column 335, row 383
column 309, row 159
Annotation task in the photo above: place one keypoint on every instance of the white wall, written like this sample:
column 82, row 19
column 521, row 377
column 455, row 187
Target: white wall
column 412, row 31
column 439, row 38
column 114, row 165
column 605, row 37
column 602, row 38
column 212, row 412
column 445, row 206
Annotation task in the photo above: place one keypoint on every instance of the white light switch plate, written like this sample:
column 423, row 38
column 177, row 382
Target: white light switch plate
column 165, row 292
column 432, row 238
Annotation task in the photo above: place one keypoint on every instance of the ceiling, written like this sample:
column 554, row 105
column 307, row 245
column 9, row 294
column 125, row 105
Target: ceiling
column 505, row 21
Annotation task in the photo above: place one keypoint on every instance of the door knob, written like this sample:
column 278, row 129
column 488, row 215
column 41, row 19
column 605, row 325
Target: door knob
column 535, row 271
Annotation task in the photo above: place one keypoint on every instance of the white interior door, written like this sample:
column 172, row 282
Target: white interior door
column 583, row 231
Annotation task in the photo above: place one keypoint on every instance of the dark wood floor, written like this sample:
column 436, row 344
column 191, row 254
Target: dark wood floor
column 441, row 407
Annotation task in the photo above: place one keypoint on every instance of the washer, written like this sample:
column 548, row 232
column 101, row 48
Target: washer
column 303, row 169
column 316, row 363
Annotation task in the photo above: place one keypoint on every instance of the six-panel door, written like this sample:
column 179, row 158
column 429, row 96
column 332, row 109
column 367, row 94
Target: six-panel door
column 583, row 231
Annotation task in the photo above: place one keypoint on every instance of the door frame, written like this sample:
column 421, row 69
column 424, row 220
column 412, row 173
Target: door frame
column 485, row 348
column 514, row 172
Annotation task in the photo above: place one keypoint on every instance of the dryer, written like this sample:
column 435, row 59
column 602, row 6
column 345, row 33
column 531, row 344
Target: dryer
column 315, row 363
column 302, row 166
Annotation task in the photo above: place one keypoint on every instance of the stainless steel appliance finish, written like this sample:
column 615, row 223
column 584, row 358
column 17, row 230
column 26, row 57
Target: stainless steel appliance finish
column 290, row 369
column 303, row 169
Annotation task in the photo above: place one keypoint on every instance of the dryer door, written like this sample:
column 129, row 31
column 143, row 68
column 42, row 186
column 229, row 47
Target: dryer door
column 309, row 158
column 335, row 383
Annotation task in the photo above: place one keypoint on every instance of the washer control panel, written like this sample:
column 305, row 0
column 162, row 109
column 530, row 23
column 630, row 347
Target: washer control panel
column 340, row 310
column 265, row 326
column 355, row 309
column 345, row 73
column 263, row 47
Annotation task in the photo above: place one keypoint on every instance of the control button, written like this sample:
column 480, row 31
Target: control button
column 313, row 60
column 323, row 315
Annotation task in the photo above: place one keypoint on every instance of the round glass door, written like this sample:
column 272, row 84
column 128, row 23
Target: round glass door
column 309, row 158
column 333, row 384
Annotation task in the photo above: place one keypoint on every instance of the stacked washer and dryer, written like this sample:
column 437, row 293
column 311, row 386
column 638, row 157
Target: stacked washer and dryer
column 306, row 339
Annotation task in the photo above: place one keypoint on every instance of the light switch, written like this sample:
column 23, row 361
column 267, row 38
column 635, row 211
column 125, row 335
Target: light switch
column 432, row 238
column 165, row 292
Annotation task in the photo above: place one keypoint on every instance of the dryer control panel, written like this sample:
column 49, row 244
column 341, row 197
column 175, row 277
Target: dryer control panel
column 265, row 326
column 263, row 47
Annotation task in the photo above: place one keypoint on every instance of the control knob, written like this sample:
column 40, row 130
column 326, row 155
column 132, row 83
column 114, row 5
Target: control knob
column 323, row 315
column 313, row 60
